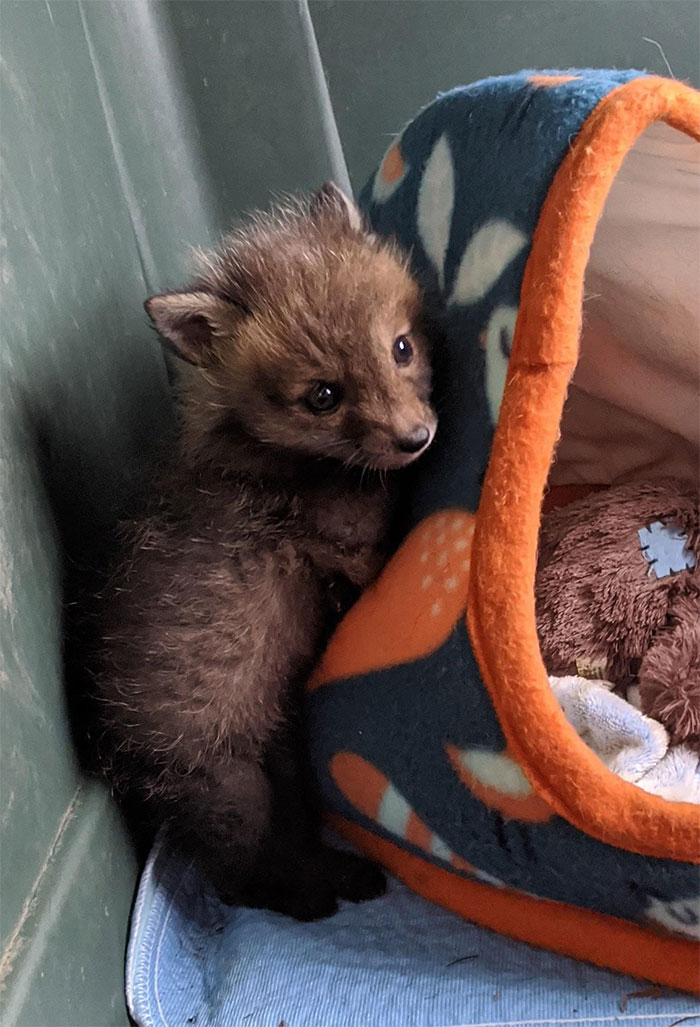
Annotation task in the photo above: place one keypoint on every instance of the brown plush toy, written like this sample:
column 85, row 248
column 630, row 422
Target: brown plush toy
column 618, row 596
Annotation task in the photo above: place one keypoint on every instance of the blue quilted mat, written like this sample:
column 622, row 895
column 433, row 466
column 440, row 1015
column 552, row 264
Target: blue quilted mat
column 395, row 962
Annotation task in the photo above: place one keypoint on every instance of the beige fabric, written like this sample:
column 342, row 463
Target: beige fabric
column 633, row 410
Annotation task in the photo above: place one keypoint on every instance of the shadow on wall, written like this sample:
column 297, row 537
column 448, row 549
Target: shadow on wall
column 82, row 465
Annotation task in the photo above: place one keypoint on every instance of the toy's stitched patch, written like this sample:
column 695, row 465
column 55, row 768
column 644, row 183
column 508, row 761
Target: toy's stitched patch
column 664, row 548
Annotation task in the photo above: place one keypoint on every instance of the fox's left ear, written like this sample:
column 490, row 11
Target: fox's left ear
column 331, row 201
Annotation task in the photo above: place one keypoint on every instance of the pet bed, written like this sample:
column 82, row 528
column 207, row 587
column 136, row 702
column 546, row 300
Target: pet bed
column 439, row 744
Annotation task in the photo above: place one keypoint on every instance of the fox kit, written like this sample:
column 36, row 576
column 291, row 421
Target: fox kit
column 306, row 378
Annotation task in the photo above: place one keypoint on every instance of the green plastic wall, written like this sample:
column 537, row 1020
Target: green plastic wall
column 131, row 130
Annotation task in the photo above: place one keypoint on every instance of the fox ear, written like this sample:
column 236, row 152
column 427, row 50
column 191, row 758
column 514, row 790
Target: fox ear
column 330, row 200
column 189, row 322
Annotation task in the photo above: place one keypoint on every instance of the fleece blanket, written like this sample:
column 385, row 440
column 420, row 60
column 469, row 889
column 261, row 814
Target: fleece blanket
column 440, row 747
column 633, row 746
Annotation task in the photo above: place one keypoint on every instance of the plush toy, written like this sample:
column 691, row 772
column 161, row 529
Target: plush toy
column 618, row 597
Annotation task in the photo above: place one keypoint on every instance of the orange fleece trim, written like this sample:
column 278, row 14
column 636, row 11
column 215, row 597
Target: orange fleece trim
column 603, row 940
column 501, row 606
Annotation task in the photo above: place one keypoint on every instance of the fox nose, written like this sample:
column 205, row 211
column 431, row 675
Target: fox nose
column 415, row 440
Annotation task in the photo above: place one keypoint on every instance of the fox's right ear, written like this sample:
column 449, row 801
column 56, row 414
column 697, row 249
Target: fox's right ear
column 331, row 201
column 190, row 322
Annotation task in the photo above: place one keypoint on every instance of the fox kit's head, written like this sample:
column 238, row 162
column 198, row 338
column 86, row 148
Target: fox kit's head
column 305, row 334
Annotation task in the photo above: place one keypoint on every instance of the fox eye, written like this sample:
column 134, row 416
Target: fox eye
column 402, row 351
column 323, row 397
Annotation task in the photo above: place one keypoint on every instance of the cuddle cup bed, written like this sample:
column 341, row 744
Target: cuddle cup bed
column 437, row 738
column 440, row 747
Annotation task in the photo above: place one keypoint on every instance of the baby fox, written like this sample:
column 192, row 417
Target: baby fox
column 306, row 377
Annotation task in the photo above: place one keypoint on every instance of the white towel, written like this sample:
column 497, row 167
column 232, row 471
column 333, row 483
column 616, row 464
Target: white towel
column 633, row 746
column 675, row 777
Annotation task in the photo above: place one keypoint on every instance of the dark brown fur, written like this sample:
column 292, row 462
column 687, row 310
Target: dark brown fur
column 669, row 673
column 269, row 518
column 598, row 604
